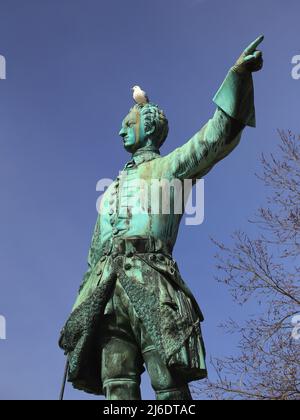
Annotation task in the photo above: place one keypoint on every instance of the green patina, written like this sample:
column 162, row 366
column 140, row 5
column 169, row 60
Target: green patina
column 133, row 307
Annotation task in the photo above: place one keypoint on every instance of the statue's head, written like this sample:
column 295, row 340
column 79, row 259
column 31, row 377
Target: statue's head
column 145, row 125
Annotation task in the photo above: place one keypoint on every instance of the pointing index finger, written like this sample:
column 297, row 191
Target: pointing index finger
column 252, row 47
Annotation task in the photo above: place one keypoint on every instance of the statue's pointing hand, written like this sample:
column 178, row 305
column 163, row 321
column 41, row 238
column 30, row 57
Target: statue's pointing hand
column 251, row 59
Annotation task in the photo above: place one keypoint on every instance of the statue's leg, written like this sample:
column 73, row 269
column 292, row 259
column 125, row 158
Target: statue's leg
column 121, row 370
column 122, row 362
column 166, row 385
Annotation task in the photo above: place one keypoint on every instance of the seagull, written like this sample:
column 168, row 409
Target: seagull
column 139, row 95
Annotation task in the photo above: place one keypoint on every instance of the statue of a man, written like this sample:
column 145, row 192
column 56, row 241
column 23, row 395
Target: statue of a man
column 133, row 308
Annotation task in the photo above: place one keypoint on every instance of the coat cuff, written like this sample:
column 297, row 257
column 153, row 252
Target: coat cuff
column 236, row 97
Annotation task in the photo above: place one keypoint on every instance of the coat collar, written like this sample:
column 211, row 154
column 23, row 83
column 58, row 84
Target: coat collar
column 141, row 156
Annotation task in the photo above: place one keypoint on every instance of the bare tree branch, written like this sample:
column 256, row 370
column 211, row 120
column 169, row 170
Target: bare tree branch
column 264, row 269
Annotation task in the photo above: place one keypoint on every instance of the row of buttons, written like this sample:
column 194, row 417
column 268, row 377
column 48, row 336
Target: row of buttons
column 113, row 207
column 113, row 202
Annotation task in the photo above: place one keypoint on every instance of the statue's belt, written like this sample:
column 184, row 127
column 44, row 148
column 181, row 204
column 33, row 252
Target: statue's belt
column 149, row 245
column 135, row 245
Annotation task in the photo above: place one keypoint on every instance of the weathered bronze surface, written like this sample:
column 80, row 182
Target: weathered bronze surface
column 133, row 308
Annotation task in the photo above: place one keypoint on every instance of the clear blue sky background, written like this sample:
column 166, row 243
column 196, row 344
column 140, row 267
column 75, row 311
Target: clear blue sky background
column 70, row 66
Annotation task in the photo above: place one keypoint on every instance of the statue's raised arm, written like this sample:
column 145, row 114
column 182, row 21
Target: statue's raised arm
column 235, row 110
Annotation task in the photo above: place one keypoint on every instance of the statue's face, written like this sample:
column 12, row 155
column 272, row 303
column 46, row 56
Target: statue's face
column 133, row 132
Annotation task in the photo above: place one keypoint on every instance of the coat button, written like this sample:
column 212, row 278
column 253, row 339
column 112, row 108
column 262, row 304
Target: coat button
column 152, row 257
column 128, row 266
column 129, row 254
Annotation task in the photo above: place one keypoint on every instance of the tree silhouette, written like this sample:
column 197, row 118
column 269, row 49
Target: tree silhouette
column 265, row 268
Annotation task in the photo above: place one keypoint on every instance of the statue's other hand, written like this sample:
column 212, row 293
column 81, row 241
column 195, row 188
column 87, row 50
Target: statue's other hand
column 251, row 59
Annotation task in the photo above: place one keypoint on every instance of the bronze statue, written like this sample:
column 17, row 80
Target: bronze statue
column 133, row 308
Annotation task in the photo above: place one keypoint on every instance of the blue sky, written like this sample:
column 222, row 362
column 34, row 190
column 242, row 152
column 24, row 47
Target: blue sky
column 70, row 66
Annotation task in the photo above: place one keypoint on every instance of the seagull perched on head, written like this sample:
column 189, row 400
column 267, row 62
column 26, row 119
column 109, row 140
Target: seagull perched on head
column 139, row 95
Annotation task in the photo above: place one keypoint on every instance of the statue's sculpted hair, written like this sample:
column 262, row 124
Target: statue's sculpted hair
column 152, row 115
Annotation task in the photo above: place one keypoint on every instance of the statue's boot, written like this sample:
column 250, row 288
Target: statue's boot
column 166, row 383
column 182, row 393
column 122, row 389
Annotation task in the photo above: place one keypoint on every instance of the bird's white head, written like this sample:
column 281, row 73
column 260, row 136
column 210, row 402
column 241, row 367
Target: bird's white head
column 135, row 87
